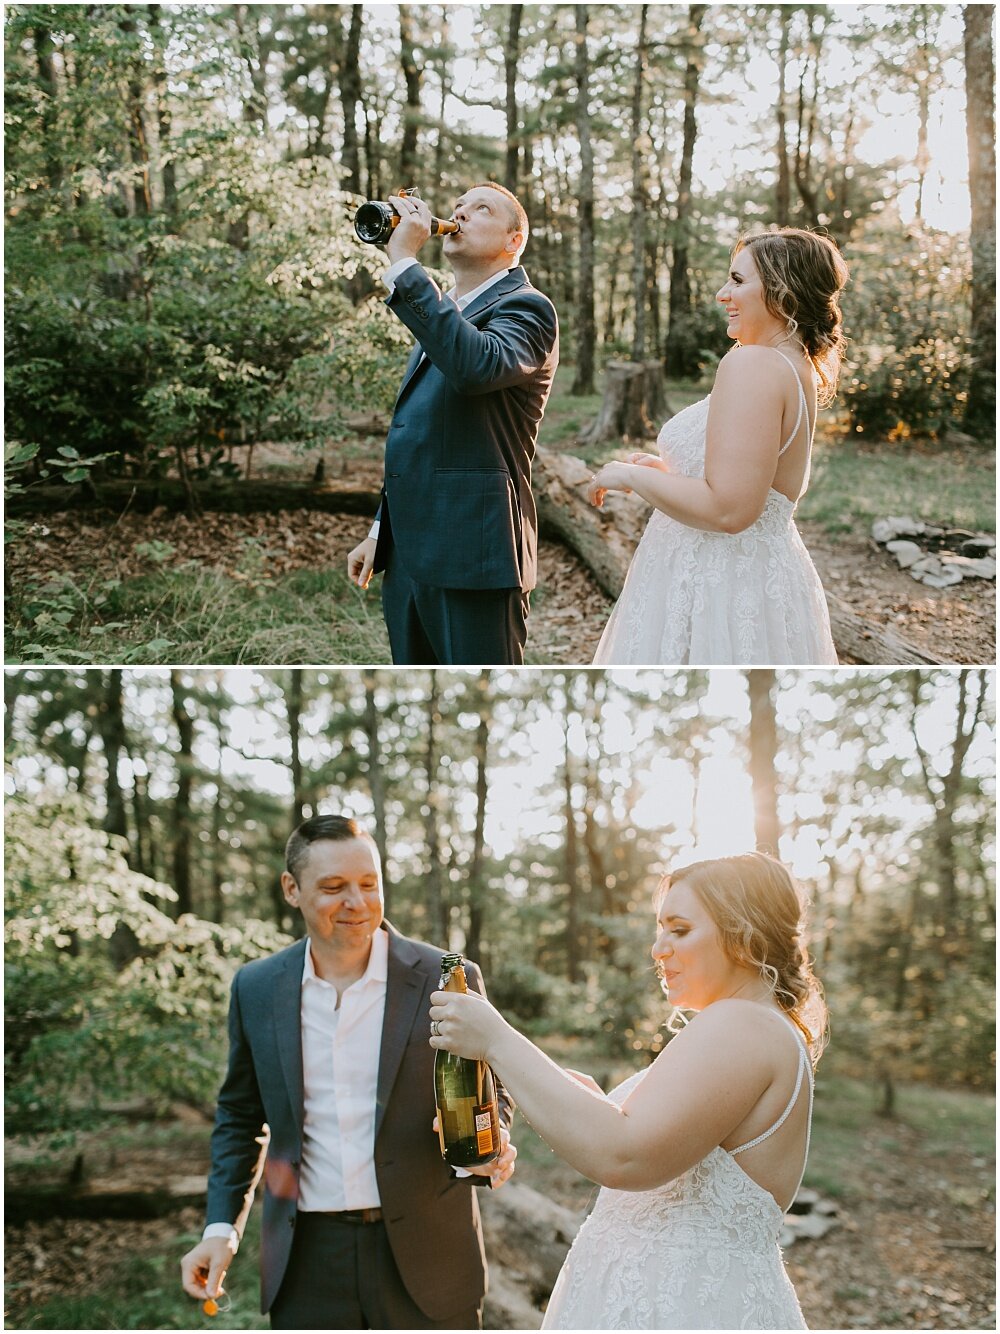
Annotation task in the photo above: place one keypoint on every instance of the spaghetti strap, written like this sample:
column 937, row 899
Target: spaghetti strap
column 803, row 408
column 804, row 1069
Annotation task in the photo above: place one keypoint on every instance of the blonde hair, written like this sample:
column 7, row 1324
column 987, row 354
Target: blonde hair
column 802, row 274
column 759, row 912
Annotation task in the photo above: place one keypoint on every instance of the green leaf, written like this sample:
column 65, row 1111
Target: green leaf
column 68, row 452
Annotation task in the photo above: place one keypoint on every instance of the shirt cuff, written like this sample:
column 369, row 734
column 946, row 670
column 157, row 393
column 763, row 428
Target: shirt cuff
column 223, row 1230
column 373, row 531
column 394, row 270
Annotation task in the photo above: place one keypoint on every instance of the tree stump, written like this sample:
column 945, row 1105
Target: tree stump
column 634, row 405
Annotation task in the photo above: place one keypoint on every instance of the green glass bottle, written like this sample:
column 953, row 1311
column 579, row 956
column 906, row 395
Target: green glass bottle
column 465, row 1094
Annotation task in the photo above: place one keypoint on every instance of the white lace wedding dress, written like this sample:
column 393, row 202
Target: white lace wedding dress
column 700, row 598
column 700, row 1252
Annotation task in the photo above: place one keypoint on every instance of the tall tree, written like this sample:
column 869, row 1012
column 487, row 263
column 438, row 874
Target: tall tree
column 351, row 93
column 639, row 200
column 412, row 79
column 586, row 334
column 436, row 907
column 477, row 887
column 980, row 82
column 111, row 725
column 762, row 684
column 783, row 182
column 681, row 356
column 511, row 54
column 183, row 823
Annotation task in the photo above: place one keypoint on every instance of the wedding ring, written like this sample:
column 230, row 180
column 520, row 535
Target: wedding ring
column 435, row 1029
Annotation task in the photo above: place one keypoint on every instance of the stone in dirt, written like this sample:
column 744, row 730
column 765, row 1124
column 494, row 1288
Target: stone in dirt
column 905, row 552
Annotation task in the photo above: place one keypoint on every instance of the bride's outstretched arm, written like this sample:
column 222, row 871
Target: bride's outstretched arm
column 699, row 1090
column 741, row 453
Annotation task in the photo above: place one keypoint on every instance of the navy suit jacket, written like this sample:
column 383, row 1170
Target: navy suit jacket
column 431, row 1217
column 456, row 500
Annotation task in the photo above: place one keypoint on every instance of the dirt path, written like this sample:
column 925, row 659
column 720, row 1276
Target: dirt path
column 568, row 609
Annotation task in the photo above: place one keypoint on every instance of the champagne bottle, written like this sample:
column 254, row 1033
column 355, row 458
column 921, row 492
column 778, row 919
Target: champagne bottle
column 465, row 1094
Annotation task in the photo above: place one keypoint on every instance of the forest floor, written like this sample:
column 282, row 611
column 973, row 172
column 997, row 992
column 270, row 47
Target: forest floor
column 913, row 1248
column 259, row 588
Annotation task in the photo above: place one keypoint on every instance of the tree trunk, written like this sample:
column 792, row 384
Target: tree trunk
column 48, row 88
column 783, row 186
column 571, row 855
column 168, row 171
column 477, row 887
column 511, row 54
column 980, row 410
column 351, row 94
column 436, row 909
column 293, row 710
column 183, row 831
column 761, row 684
column 138, row 145
column 411, row 111
column 586, row 334
column 639, row 194
column 681, row 356
column 111, row 725
column 376, row 777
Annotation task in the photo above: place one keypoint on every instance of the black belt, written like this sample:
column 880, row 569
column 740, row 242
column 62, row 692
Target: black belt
column 355, row 1216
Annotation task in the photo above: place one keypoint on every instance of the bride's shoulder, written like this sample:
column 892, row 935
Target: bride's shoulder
column 752, row 365
column 733, row 1020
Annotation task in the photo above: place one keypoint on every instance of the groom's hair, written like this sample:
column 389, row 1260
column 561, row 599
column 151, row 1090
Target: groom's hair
column 517, row 217
column 336, row 828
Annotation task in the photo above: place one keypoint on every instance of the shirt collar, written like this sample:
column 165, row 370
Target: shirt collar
column 462, row 301
column 378, row 963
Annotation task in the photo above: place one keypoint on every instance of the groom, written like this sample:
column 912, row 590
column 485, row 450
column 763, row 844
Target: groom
column 456, row 530
column 364, row 1225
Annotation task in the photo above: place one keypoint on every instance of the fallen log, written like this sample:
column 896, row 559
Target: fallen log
column 527, row 1236
column 42, row 1202
column 870, row 644
column 604, row 539
column 336, row 496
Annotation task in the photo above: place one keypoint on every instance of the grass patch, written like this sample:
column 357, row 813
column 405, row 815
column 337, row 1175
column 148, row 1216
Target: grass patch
column 854, row 483
column 195, row 614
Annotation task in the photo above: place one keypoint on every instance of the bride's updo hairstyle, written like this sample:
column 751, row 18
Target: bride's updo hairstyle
column 759, row 912
column 803, row 274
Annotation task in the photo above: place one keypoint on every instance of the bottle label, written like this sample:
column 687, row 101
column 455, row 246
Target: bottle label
column 484, row 1129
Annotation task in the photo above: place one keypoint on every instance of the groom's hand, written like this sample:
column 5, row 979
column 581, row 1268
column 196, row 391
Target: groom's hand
column 360, row 562
column 501, row 1169
column 412, row 230
column 204, row 1267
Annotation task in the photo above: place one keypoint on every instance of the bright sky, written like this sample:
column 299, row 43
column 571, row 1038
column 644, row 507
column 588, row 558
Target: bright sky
column 724, row 144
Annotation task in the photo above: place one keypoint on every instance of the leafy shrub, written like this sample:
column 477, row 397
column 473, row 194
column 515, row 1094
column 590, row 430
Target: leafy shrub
column 106, row 997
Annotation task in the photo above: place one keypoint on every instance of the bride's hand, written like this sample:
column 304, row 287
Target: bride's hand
column 612, row 477
column 648, row 461
column 464, row 1024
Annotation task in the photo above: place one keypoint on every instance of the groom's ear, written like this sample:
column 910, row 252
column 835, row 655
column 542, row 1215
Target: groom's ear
column 290, row 889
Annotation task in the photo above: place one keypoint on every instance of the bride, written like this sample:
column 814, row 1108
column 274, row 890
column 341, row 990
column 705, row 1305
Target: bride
column 721, row 574
column 701, row 1154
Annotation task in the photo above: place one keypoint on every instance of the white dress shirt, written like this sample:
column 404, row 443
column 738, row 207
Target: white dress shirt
column 389, row 278
column 340, row 1058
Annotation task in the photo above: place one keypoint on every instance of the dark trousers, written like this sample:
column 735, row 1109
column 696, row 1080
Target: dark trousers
column 343, row 1276
column 431, row 627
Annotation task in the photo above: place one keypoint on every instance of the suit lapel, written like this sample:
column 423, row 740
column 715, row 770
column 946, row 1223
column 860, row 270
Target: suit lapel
column 514, row 279
column 403, row 990
column 288, row 1026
